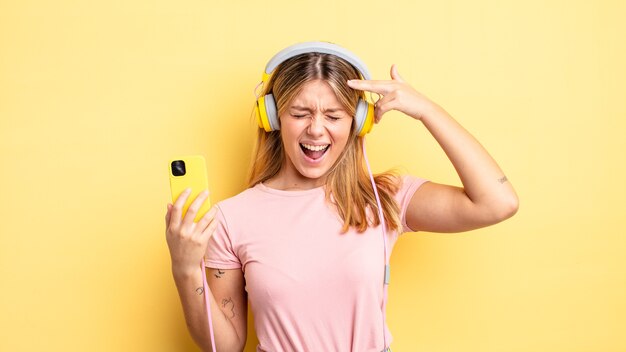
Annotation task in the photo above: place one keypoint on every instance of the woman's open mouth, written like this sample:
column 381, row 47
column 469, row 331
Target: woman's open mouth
column 314, row 152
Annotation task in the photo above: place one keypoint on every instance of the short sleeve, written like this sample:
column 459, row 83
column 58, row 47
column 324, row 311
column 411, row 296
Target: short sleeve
column 220, row 253
column 409, row 185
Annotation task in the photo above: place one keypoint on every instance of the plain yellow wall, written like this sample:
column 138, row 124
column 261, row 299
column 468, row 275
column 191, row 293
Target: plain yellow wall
column 96, row 96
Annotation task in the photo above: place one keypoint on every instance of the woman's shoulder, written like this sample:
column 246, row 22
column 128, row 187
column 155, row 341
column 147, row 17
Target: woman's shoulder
column 399, row 183
column 247, row 195
column 407, row 180
column 407, row 185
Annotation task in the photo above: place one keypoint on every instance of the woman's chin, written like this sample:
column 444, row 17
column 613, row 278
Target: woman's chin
column 313, row 173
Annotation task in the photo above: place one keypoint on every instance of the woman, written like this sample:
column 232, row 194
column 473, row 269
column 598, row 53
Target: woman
column 304, row 239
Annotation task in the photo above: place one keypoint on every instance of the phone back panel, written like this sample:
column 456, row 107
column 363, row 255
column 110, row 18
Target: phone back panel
column 194, row 178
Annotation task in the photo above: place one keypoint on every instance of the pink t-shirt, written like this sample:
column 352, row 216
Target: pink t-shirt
column 310, row 288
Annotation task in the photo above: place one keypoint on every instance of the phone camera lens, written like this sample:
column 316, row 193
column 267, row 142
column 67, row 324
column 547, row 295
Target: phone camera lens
column 178, row 168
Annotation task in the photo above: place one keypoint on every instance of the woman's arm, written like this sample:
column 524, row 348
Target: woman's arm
column 486, row 197
column 188, row 242
column 191, row 293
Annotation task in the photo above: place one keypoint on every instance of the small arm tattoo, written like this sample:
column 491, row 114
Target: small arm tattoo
column 503, row 179
column 219, row 274
column 229, row 304
column 200, row 290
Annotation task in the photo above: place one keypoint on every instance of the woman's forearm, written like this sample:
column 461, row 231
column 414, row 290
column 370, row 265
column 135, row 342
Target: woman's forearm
column 190, row 290
column 483, row 180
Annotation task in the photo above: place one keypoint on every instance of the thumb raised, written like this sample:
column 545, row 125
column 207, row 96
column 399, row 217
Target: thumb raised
column 394, row 73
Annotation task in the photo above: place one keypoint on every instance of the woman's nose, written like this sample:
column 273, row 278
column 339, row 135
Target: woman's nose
column 316, row 126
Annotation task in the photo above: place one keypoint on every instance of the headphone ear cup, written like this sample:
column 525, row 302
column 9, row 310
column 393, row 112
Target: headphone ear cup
column 266, row 113
column 272, row 114
column 364, row 117
column 259, row 113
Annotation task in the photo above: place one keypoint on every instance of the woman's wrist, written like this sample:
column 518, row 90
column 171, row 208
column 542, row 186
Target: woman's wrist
column 430, row 111
column 185, row 271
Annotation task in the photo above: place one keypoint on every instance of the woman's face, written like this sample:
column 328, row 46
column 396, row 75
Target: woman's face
column 314, row 131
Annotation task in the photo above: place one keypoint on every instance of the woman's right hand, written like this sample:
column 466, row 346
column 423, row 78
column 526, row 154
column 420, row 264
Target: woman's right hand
column 187, row 240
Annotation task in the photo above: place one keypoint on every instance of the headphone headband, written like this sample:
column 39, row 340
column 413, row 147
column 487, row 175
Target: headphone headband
column 317, row 47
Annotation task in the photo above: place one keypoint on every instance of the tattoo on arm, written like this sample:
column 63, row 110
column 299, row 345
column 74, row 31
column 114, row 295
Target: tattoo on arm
column 229, row 304
column 219, row 274
column 200, row 290
column 503, row 179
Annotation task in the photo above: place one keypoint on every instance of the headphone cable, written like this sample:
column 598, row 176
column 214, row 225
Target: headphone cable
column 382, row 223
column 205, row 285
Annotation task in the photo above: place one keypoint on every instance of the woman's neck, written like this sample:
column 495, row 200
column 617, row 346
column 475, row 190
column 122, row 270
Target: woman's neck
column 287, row 181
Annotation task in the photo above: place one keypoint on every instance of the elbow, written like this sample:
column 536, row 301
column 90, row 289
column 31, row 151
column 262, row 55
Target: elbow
column 239, row 346
column 499, row 210
column 242, row 345
column 506, row 208
column 209, row 348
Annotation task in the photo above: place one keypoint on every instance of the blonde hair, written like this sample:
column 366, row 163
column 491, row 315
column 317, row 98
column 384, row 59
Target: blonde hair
column 348, row 185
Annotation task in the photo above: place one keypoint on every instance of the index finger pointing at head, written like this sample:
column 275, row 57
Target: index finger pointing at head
column 376, row 86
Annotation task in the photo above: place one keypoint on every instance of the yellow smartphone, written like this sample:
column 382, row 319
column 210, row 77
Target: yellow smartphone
column 189, row 172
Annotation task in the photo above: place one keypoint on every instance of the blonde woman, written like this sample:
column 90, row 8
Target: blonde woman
column 305, row 241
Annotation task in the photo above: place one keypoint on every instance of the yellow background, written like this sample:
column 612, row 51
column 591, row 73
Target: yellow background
column 96, row 96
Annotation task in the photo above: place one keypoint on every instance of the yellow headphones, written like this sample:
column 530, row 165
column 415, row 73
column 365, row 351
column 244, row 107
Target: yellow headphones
column 265, row 110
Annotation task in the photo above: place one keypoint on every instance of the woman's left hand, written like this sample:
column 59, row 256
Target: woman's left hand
column 396, row 95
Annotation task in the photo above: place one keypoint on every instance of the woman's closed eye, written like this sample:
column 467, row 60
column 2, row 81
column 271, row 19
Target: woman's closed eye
column 333, row 118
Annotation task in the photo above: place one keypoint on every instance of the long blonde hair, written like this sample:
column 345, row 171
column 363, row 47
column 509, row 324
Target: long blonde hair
column 348, row 185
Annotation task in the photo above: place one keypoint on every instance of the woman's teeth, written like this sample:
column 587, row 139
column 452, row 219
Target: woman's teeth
column 314, row 148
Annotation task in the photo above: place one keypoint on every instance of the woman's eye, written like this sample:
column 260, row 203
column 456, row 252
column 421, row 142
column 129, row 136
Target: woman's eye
column 298, row 116
column 334, row 118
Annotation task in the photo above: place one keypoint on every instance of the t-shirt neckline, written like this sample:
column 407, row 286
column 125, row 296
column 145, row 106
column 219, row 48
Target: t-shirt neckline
column 261, row 186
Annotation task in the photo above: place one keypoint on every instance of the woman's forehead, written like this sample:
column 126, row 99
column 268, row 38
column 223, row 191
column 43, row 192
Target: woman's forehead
column 316, row 94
